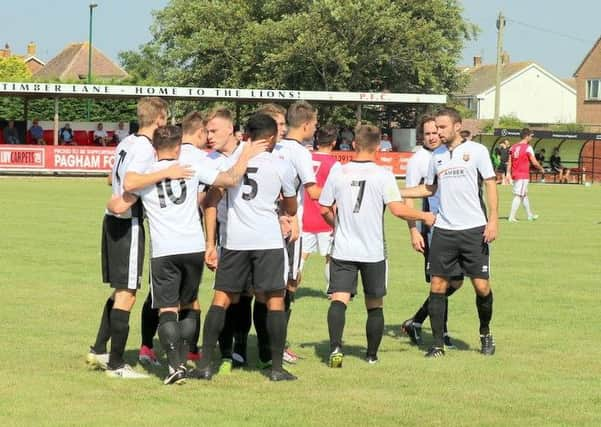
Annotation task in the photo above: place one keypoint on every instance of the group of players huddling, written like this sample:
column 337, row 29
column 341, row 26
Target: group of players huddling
column 251, row 195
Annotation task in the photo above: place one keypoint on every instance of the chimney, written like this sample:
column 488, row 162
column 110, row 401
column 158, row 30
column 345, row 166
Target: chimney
column 5, row 53
column 31, row 48
column 477, row 61
column 504, row 58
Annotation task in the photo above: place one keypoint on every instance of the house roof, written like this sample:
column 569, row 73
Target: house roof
column 483, row 77
column 72, row 63
column 570, row 82
column 590, row 52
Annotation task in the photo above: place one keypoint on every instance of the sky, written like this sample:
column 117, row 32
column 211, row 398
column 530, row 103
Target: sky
column 555, row 34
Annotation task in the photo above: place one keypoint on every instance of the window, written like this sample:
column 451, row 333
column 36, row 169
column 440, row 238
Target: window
column 593, row 89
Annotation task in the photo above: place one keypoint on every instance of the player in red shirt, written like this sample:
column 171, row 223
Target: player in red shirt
column 521, row 155
column 317, row 234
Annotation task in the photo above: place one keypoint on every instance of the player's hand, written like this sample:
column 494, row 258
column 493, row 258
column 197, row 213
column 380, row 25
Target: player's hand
column 211, row 259
column 294, row 229
column 177, row 171
column 257, row 147
column 285, row 226
column 429, row 219
column 490, row 231
column 417, row 240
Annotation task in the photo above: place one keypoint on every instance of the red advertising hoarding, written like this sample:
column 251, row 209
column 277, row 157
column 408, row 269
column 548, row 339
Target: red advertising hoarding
column 81, row 160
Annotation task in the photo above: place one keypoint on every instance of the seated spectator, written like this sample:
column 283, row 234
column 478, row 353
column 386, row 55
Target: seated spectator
column 100, row 136
column 385, row 144
column 65, row 135
column 345, row 145
column 465, row 135
column 120, row 133
column 11, row 134
column 540, row 156
column 37, row 133
column 347, row 134
column 558, row 168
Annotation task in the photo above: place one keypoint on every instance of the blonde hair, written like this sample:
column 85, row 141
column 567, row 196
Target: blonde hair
column 272, row 110
column 299, row 113
column 192, row 122
column 221, row 112
column 149, row 110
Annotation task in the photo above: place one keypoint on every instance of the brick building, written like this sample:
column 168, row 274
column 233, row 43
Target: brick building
column 588, row 88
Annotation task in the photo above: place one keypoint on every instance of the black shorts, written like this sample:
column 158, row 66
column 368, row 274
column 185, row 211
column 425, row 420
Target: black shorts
column 502, row 168
column 122, row 252
column 175, row 279
column 293, row 257
column 457, row 278
column 456, row 252
column 266, row 267
column 343, row 277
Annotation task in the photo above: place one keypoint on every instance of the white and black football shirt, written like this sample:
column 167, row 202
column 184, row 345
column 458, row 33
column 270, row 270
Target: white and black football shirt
column 361, row 191
column 302, row 162
column 134, row 154
column 172, row 208
column 459, row 174
column 252, row 218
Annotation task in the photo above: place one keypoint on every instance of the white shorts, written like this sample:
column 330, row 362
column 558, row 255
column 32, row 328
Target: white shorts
column 317, row 242
column 520, row 187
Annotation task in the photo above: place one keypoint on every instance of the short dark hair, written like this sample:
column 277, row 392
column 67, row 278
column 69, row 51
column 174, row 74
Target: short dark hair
column 326, row 135
column 449, row 112
column 525, row 132
column 260, row 126
column 367, row 138
column 420, row 125
column 166, row 137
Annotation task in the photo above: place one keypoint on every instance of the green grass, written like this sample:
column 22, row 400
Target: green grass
column 546, row 325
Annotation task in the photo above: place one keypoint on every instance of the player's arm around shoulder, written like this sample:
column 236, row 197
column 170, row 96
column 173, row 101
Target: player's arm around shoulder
column 120, row 204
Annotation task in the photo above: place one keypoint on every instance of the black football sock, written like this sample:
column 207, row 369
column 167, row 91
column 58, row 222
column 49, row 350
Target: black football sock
column 104, row 331
column 214, row 321
column 374, row 329
column 336, row 319
column 242, row 324
column 119, row 334
column 194, row 343
column 170, row 338
column 150, row 322
column 436, row 309
column 226, row 337
column 484, row 305
column 276, row 328
column 188, row 325
column 260, row 321
column 450, row 291
column 422, row 314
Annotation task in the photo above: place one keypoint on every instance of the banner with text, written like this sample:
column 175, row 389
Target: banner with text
column 81, row 160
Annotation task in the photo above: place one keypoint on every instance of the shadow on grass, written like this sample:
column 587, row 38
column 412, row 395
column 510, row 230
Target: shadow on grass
column 304, row 292
column 322, row 350
column 394, row 331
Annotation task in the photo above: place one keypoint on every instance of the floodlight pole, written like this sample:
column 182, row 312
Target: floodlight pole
column 92, row 6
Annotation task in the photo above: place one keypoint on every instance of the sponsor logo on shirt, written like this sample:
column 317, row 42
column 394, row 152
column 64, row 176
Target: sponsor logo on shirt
column 452, row 173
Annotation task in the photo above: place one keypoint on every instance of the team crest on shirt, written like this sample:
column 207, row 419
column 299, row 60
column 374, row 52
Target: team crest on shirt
column 466, row 157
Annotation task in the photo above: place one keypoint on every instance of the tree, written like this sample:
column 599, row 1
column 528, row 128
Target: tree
column 337, row 45
column 14, row 69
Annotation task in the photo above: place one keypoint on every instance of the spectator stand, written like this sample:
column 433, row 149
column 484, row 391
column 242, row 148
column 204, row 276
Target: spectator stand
column 580, row 152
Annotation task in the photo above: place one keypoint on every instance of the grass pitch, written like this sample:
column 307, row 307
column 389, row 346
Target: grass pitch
column 546, row 326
